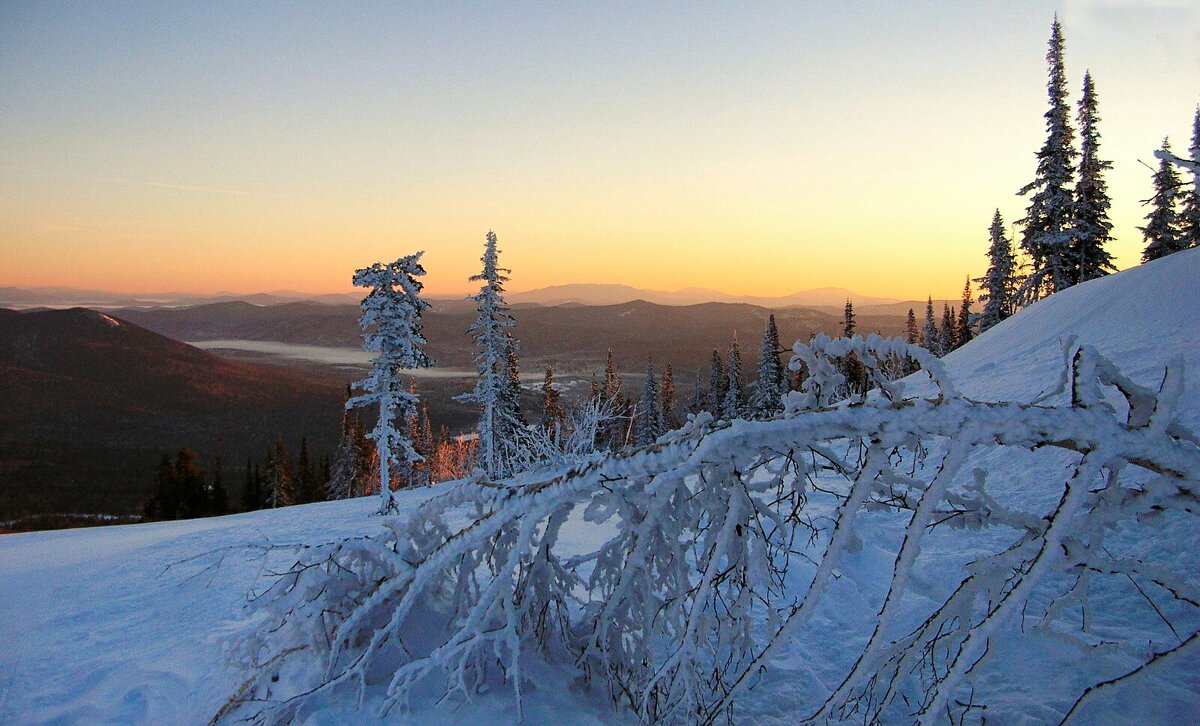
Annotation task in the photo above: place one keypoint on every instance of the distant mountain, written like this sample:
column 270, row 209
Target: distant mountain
column 572, row 294
column 605, row 294
column 88, row 403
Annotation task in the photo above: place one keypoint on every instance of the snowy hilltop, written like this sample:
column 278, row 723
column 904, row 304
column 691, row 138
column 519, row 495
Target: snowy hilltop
column 1008, row 535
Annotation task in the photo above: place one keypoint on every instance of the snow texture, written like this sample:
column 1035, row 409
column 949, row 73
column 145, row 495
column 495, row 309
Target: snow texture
column 1051, row 570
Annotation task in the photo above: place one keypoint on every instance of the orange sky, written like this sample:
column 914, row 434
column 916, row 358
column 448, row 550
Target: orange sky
column 755, row 151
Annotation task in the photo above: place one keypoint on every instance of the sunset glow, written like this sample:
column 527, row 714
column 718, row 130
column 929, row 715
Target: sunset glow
column 761, row 151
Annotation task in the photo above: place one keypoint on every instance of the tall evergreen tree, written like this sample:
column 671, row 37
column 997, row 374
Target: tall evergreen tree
column 999, row 284
column 946, row 333
column 699, row 397
column 492, row 331
column 735, row 396
column 553, row 413
column 251, row 489
column 281, row 489
column 1091, row 229
column 391, row 325
column 667, row 394
column 649, row 425
column 848, row 324
column 767, row 397
column 930, row 339
column 1162, row 233
column 718, row 383
column 1049, row 218
column 964, row 316
column 912, row 335
column 612, row 379
column 1189, row 217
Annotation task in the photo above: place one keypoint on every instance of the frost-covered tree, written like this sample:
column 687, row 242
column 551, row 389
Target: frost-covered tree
column 1092, row 229
column 718, row 383
column 391, row 327
column 848, row 320
column 930, row 339
column 553, row 413
column 963, row 334
column 350, row 474
column 947, row 333
column 1189, row 216
column 1049, row 218
column 1162, row 233
column 699, row 397
column 735, row 395
column 649, row 423
column 492, row 331
column 281, row 484
column 667, row 393
column 999, row 284
column 766, row 399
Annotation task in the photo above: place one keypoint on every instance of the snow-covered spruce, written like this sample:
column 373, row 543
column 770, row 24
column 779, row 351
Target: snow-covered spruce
column 723, row 541
column 391, row 325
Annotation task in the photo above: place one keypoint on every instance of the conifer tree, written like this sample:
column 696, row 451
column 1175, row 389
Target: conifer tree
column 964, row 335
column 1189, row 217
column 391, row 325
column 667, row 394
column 1162, row 233
column 735, row 397
column 279, row 481
column 699, row 397
column 718, row 384
column 1049, row 218
column 649, row 425
column 493, row 392
column 947, row 330
column 767, row 397
column 930, row 339
column 612, row 379
column 553, row 413
column 1092, row 229
column 848, row 323
column 999, row 283
column 912, row 335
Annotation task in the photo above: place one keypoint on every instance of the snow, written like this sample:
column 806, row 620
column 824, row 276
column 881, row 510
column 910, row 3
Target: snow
column 131, row 624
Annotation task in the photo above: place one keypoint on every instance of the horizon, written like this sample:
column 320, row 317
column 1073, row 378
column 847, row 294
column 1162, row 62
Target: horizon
column 757, row 152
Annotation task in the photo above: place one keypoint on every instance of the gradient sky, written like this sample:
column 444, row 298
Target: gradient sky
column 752, row 148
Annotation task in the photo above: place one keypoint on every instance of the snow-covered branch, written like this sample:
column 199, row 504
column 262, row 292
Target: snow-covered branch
column 720, row 544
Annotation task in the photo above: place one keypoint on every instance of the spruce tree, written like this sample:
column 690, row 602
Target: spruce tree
column 649, row 425
column 999, row 284
column 1091, row 228
column 1162, row 233
column 964, row 316
column 930, row 339
column 280, row 484
column 946, row 332
column 251, row 491
column 767, row 397
column 391, row 325
column 699, row 397
column 493, row 387
column 912, row 335
column 735, row 397
column 718, row 383
column 1189, row 216
column 848, row 323
column 553, row 413
column 1049, row 218
column 667, row 394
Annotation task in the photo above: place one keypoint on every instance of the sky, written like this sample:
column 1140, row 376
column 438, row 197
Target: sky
column 753, row 148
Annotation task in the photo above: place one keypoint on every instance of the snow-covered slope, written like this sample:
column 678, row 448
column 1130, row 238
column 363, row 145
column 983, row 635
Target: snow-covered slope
column 128, row 624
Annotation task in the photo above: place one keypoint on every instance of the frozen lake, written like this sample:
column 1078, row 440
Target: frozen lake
column 323, row 354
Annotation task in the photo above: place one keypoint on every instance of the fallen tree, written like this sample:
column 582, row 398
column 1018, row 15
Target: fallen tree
column 721, row 542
